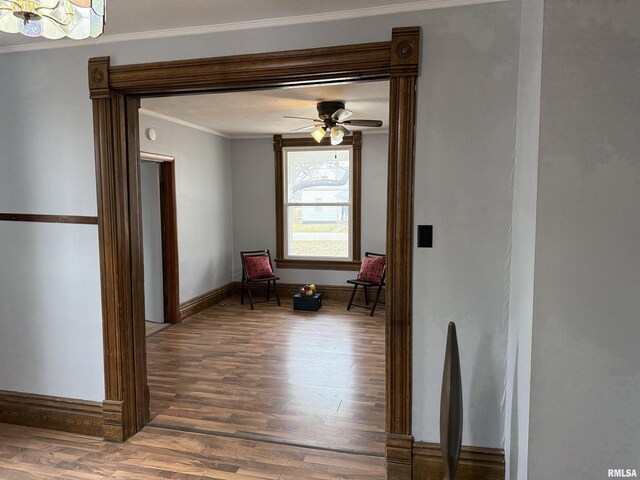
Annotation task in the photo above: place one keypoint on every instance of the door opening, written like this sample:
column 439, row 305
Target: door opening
column 159, row 171
column 116, row 91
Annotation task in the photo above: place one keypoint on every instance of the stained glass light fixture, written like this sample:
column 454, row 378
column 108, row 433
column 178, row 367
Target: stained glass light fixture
column 75, row 19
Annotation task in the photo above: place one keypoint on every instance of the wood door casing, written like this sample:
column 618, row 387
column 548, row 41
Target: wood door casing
column 169, row 228
column 114, row 90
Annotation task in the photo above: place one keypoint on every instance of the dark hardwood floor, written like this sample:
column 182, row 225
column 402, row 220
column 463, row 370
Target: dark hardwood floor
column 273, row 374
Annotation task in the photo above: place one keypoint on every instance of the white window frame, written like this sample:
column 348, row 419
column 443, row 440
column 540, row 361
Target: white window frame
column 286, row 204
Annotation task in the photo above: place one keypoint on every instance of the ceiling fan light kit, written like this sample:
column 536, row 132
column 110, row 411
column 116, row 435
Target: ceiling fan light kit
column 332, row 117
column 53, row 19
column 336, row 135
column 318, row 133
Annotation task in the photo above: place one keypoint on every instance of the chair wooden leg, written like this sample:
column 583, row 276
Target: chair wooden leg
column 249, row 292
column 275, row 290
column 242, row 290
column 269, row 290
column 366, row 295
column 353, row 294
column 375, row 303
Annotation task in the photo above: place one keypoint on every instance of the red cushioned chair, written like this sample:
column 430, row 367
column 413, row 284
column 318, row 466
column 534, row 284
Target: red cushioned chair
column 372, row 272
column 257, row 269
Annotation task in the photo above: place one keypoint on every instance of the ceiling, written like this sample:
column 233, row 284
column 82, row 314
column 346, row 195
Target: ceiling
column 249, row 113
column 158, row 18
column 260, row 113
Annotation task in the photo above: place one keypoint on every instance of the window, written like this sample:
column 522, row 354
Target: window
column 318, row 203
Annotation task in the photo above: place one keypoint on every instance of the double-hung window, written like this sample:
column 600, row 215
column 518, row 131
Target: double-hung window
column 318, row 190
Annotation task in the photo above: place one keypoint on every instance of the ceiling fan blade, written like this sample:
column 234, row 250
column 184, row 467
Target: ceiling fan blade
column 303, row 118
column 304, row 129
column 344, row 129
column 341, row 114
column 364, row 123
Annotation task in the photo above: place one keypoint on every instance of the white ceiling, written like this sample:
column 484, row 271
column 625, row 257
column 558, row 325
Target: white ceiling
column 250, row 113
column 260, row 113
column 127, row 19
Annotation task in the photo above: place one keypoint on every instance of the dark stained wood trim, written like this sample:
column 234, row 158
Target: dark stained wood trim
column 204, row 301
column 355, row 141
column 112, row 419
column 279, row 175
column 99, row 78
column 318, row 264
column 405, row 60
column 118, row 278
column 169, row 225
column 398, row 448
column 476, row 463
column 30, row 217
column 397, row 60
column 368, row 61
column 339, row 293
column 326, row 141
column 43, row 411
column 132, row 125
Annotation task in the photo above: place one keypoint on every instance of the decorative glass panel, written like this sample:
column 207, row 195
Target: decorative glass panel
column 53, row 19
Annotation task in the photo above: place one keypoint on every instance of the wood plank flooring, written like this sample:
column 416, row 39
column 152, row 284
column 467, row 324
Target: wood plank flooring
column 153, row 327
column 275, row 395
column 274, row 375
column 36, row 454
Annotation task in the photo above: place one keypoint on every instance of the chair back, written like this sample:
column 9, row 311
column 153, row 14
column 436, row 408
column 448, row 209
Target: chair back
column 256, row 264
column 373, row 268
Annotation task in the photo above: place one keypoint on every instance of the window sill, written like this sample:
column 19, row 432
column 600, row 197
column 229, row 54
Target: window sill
column 318, row 264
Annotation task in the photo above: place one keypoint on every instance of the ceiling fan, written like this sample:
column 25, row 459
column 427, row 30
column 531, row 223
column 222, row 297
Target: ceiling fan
column 333, row 118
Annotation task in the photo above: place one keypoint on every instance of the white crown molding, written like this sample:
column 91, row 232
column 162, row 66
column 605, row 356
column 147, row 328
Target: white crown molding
column 162, row 116
column 265, row 23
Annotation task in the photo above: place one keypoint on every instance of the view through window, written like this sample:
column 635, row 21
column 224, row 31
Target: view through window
column 318, row 203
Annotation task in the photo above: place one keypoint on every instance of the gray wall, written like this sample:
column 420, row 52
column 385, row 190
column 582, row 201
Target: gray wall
column 50, row 310
column 253, row 176
column 152, row 241
column 464, row 160
column 203, row 201
column 466, row 113
column 585, row 383
column 585, row 375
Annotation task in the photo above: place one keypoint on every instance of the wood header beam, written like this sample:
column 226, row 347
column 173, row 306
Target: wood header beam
column 263, row 70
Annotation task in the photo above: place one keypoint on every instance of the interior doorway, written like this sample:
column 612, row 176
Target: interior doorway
column 116, row 91
column 271, row 375
column 160, row 237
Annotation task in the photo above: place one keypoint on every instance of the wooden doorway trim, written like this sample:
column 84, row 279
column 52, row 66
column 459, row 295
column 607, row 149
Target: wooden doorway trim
column 169, row 227
column 115, row 92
